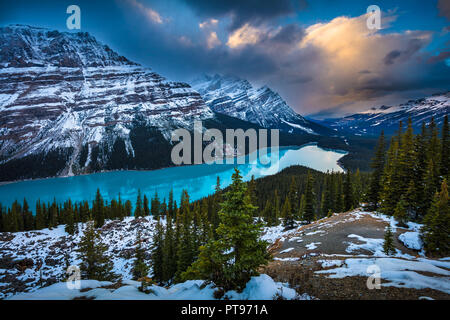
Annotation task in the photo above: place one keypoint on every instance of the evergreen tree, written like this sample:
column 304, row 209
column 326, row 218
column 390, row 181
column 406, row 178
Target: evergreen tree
column 436, row 229
column 388, row 245
column 98, row 210
column 40, row 217
column 348, row 192
column 95, row 262
column 400, row 212
column 146, row 207
column 377, row 173
column 70, row 219
column 186, row 250
column 169, row 253
column 170, row 209
column 157, row 253
column 288, row 217
column 138, row 211
column 445, row 149
column 140, row 268
column 232, row 259
column 308, row 214
column 156, row 206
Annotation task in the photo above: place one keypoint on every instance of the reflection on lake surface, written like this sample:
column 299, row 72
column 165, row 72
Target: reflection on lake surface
column 199, row 180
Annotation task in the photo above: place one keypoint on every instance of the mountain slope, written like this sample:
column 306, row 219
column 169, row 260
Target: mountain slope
column 387, row 118
column 236, row 97
column 70, row 102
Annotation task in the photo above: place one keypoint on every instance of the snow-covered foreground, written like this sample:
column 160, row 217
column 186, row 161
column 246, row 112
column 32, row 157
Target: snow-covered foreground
column 261, row 287
column 42, row 254
column 32, row 263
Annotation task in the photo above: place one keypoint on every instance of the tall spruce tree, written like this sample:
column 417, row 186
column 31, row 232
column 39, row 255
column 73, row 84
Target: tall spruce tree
column 95, row 262
column 348, row 192
column 308, row 214
column 140, row 267
column 157, row 252
column 436, row 229
column 232, row 259
column 138, row 211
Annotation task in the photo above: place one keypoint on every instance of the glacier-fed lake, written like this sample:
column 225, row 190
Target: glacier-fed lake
column 198, row 180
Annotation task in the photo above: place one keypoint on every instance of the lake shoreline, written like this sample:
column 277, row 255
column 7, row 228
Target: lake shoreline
column 2, row 183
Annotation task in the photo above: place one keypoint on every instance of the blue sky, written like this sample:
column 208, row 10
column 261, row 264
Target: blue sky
column 319, row 55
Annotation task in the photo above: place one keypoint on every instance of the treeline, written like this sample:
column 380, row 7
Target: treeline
column 409, row 181
column 19, row 217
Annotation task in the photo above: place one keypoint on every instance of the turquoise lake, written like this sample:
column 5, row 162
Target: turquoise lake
column 198, row 180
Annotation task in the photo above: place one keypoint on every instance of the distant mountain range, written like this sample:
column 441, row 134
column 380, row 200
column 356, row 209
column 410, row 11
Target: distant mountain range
column 71, row 105
column 237, row 98
column 387, row 118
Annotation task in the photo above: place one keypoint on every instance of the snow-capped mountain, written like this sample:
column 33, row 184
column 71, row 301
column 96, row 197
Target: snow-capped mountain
column 73, row 104
column 387, row 118
column 236, row 97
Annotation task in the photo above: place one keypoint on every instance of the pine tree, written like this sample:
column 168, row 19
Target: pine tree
column 288, row 217
column 155, row 206
column 232, row 259
column 388, row 245
column 445, row 149
column 436, row 229
column 40, row 217
column 146, row 207
column 95, row 262
column 70, row 219
column 98, row 210
column 215, row 210
column 348, row 192
column 377, row 173
column 301, row 208
column 293, row 198
column 308, row 214
column 400, row 212
column 186, row 249
column 157, row 252
column 169, row 253
column 140, row 268
column 138, row 211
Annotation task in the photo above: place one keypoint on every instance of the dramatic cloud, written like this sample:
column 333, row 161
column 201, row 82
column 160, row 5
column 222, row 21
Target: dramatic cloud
column 151, row 14
column 241, row 12
column 339, row 66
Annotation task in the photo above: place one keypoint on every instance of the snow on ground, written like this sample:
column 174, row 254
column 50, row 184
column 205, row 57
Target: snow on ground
column 399, row 272
column 261, row 287
column 271, row 234
column 312, row 245
column 330, row 263
column 411, row 240
column 45, row 251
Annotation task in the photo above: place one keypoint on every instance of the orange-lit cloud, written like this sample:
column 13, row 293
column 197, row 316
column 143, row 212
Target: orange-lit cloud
column 151, row 14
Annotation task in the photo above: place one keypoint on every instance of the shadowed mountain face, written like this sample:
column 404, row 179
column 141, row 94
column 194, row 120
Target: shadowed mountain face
column 73, row 103
column 387, row 118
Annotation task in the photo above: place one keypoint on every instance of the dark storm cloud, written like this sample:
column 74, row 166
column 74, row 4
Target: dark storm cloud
column 391, row 56
column 243, row 11
column 444, row 8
